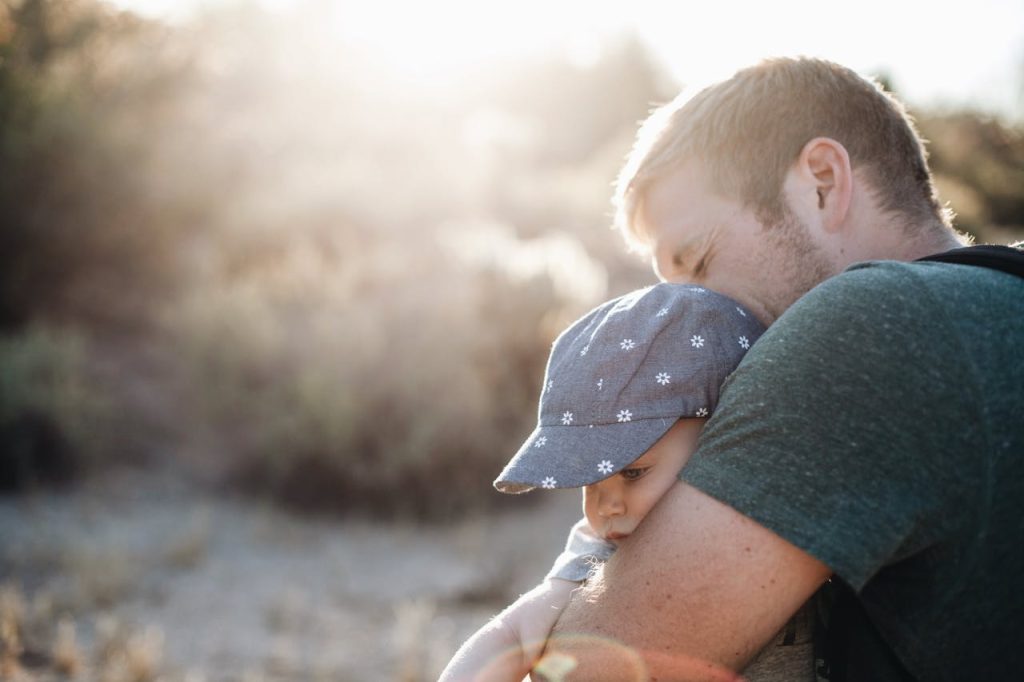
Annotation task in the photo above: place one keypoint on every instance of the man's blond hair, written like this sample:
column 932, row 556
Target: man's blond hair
column 747, row 132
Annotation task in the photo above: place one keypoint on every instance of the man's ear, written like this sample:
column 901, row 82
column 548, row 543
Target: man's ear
column 824, row 181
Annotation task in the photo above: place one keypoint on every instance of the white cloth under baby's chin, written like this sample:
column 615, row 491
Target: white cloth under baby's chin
column 583, row 552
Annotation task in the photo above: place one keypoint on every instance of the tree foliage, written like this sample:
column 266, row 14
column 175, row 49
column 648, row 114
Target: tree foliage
column 84, row 231
column 979, row 165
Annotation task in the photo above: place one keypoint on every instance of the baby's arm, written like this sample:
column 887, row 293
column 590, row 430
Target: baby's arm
column 505, row 649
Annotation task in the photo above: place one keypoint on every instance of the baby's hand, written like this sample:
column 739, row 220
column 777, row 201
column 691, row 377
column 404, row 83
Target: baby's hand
column 506, row 648
column 537, row 612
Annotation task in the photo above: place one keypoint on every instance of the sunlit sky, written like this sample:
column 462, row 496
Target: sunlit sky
column 937, row 54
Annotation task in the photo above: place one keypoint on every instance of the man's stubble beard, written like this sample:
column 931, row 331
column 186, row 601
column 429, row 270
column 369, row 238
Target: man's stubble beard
column 800, row 263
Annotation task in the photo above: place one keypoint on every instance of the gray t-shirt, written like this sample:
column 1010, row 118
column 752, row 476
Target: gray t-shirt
column 879, row 426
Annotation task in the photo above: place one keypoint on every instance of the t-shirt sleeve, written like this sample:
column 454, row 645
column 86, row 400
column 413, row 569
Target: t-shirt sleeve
column 838, row 430
column 583, row 552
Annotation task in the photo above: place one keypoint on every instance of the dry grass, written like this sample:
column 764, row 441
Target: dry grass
column 119, row 654
column 12, row 614
column 67, row 657
column 412, row 638
column 62, row 630
column 133, row 656
column 228, row 589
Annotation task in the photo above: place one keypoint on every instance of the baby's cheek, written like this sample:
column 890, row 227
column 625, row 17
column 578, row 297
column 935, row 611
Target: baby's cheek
column 646, row 501
column 590, row 508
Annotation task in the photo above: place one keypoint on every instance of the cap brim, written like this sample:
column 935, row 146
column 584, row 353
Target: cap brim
column 577, row 456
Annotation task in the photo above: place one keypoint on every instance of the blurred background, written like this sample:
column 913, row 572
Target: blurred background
column 278, row 280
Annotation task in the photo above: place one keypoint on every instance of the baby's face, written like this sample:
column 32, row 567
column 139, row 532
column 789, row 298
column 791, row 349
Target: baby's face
column 615, row 506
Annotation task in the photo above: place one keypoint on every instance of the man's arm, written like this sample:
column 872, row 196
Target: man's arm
column 692, row 595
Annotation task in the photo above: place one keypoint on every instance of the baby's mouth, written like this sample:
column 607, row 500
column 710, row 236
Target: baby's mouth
column 614, row 537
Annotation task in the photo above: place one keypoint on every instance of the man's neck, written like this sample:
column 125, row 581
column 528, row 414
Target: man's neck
column 934, row 240
column 893, row 243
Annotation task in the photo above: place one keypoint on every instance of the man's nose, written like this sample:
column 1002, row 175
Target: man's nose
column 660, row 267
column 669, row 268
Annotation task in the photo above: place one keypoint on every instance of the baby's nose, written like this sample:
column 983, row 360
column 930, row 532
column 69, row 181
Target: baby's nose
column 611, row 502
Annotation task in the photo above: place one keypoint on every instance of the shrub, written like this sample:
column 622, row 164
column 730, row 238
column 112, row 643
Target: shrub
column 398, row 382
column 51, row 415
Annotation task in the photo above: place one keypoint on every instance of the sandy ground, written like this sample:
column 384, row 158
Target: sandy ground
column 197, row 586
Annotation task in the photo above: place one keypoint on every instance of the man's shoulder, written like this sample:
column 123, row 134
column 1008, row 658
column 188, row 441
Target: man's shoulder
column 885, row 317
column 890, row 279
column 877, row 294
column 887, row 277
column 896, row 291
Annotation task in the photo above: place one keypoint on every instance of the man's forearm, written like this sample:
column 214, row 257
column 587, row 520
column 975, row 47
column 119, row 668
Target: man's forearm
column 692, row 595
column 583, row 646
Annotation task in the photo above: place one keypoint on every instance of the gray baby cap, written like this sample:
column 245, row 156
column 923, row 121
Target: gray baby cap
column 622, row 375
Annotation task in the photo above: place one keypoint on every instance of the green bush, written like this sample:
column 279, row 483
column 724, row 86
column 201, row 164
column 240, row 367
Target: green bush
column 52, row 417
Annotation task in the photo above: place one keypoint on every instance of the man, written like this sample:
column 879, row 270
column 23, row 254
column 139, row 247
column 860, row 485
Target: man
column 872, row 436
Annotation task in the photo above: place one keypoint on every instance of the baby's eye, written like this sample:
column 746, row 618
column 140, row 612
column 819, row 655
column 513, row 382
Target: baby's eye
column 634, row 473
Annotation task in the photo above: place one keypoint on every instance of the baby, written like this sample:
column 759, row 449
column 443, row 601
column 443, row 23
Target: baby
column 626, row 393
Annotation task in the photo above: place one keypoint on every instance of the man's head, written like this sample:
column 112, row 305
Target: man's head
column 807, row 154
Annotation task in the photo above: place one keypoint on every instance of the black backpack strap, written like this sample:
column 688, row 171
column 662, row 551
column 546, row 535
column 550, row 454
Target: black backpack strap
column 847, row 645
column 1004, row 258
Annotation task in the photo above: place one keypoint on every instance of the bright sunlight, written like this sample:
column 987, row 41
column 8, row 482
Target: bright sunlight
column 960, row 55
